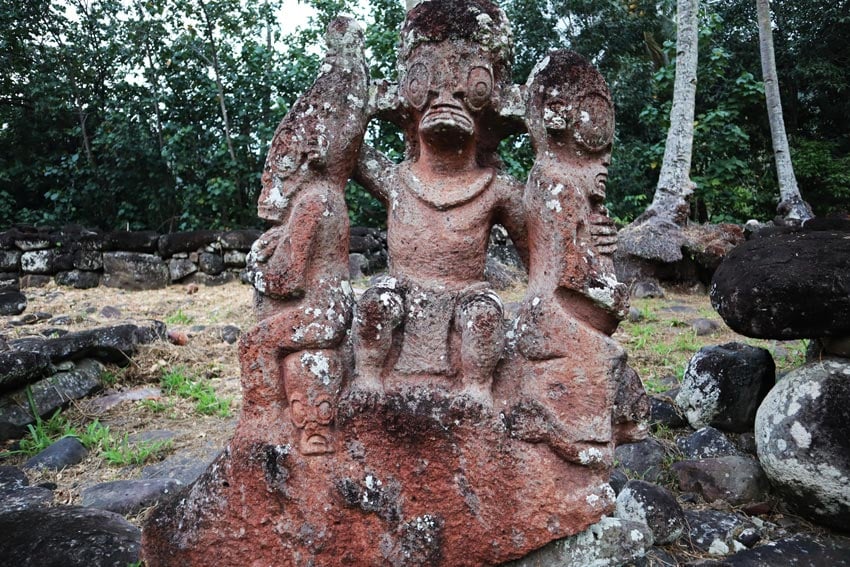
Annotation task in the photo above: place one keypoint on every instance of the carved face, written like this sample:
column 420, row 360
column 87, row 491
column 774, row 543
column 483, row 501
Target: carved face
column 589, row 120
column 447, row 85
column 314, row 419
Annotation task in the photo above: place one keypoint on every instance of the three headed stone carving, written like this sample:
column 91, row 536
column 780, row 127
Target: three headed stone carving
column 418, row 426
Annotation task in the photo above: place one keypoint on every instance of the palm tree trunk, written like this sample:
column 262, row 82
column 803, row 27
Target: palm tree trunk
column 791, row 204
column 671, row 199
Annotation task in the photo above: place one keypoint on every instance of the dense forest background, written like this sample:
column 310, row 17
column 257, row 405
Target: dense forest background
column 157, row 114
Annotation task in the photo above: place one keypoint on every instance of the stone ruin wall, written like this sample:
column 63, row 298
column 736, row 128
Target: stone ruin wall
column 85, row 258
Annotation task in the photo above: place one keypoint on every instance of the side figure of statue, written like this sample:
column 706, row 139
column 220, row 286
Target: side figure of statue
column 299, row 267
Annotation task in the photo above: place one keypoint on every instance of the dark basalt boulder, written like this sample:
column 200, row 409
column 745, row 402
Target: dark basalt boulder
column 724, row 385
column 67, row 536
column 788, row 283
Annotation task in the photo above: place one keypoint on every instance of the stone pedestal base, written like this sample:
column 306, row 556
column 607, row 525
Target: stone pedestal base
column 417, row 477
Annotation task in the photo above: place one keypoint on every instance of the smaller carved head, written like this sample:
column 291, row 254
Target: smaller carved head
column 313, row 381
column 570, row 113
column 567, row 95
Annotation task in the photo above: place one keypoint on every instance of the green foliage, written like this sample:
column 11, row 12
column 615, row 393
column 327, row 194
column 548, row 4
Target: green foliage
column 112, row 113
column 179, row 318
column 178, row 382
column 122, row 453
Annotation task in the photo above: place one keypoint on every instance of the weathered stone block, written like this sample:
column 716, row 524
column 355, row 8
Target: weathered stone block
column 131, row 270
column 39, row 261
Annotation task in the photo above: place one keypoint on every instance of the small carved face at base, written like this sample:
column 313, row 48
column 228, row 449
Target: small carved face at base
column 313, row 419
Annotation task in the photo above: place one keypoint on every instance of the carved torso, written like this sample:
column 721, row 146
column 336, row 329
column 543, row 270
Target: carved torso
column 439, row 242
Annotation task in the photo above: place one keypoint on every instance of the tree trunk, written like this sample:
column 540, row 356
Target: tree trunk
column 791, row 204
column 219, row 85
column 674, row 182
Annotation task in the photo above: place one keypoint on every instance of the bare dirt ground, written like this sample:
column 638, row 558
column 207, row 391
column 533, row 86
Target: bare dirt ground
column 659, row 347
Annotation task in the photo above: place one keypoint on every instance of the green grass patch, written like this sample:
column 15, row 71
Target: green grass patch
column 122, row 453
column 179, row 382
column 179, row 318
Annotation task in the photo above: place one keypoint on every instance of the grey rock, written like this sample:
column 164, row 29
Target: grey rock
column 647, row 288
column 12, row 303
column 235, row 258
column 641, row 460
column 150, row 436
column 131, row 241
column 109, row 312
column 102, row 404
column 31, row 242
column 179, row 268
column 358, row 265
column 12, row 478
column 68, row 536
column 190, row 241
column 24, row 498
column 734, row 479
column 10, row 282
column 836, row 346
column 30, row 319
column 715, row 532
column 724, row 385
column 210, row 263
column 635, row 315
column 88, row 259
column 63, row 453
column 656, row 557
column 706, row 443
column 230, row 334
column 51, row 393
column 653, row 239
column 135, row 271
column 35, row 280
column 795, row 551
column 39, row 261
column 664, row 411
column 238, row 239
column 704, row 327
column 654, row 506
column 110, row 344
column 617, row 480
column 78, row 279
column 128, row 496
column 803, row 442
column 21, row 368
column 185, row 468
column 609, row 542
column 11, row 431
column 10, row 260
column 201, row 278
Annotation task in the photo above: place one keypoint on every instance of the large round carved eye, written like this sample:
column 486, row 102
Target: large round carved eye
column 593, row 122
column 417, row 85
column 479, row 87
column 324, row 412
column 299, row 412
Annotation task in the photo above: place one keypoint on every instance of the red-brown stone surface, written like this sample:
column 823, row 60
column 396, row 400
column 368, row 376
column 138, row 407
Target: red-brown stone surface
column 419, row 427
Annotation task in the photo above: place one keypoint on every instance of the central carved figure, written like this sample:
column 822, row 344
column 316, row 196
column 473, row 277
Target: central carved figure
column 416, row 425
column 441, row 202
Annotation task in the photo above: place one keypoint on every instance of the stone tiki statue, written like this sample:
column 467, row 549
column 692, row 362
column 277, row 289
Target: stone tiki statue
column 419, row 426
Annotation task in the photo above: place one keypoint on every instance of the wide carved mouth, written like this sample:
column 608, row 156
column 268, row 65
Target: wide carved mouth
column 316, row 443
column 447, row 117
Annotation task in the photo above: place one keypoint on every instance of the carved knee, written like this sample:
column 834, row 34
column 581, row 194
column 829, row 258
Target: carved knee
column 481, row 315
column 378, row 312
